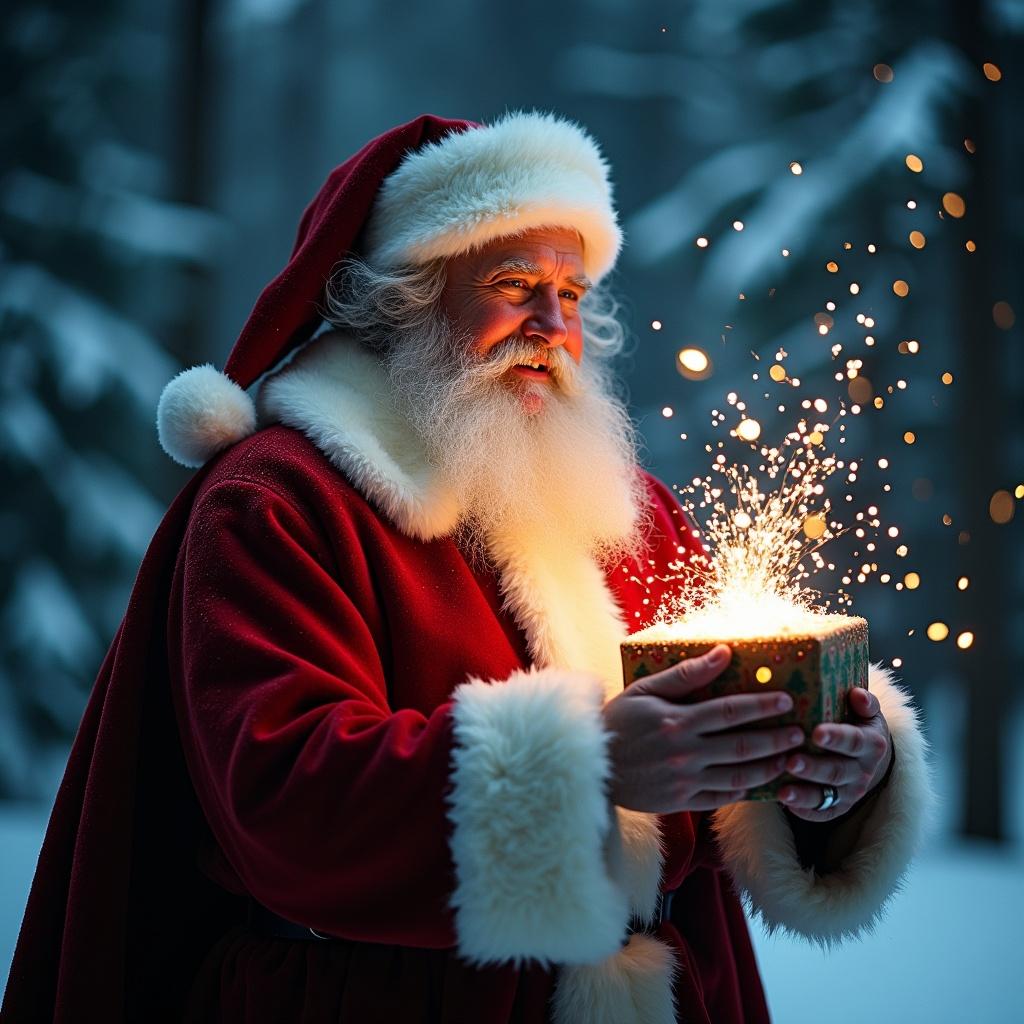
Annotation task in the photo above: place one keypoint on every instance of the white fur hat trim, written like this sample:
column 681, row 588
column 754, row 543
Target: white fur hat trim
column 526, row 171
column 200, row 412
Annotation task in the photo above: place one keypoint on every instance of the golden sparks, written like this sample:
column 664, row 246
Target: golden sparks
column 915, row 163
column 883, row 73
column 1018, row 491
column 917, row 239
column 901, row 288
column 693, row 363
column 970, row 146
column 937, row 631
column 832, row 267
column 667, row 412
column 814, row 527
column 963, row 583
column 702, row 242
column 965, row 639
column 763, row 674
column 655, row 325
column 947, row 378
column 912, row 581
column 954, row 204
column 777, row 373
column 737, row 225
column 991, row 71
column 748, row 430
column 1001, row 507
column 762, row 526
column 909, row 437
column 796, row 168
column 970, row 245
column 816, row 437
column 860, row 390
column 1003, row 315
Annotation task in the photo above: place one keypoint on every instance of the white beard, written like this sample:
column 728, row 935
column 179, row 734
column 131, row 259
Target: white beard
column 555, row 459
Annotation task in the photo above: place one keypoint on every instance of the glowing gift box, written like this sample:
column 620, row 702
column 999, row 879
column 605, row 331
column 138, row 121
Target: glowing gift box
column 816, row 667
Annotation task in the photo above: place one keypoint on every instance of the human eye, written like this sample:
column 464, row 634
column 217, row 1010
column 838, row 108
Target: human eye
column 513, row 282
column 568, row 293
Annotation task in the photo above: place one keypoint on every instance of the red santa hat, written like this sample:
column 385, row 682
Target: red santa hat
column 429, row 189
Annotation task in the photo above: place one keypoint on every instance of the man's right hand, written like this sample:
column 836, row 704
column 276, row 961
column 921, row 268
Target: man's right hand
column 669, row 757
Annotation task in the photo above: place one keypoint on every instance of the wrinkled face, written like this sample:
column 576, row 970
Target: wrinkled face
column 525, row 289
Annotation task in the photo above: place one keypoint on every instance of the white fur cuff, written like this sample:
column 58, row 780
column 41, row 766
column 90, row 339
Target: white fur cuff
column 758, row 847
column 531, row 818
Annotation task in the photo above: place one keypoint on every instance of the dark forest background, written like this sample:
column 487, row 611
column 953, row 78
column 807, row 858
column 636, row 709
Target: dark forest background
column 156, row 157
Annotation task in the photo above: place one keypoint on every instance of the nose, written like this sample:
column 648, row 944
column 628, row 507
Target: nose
column 545, row 322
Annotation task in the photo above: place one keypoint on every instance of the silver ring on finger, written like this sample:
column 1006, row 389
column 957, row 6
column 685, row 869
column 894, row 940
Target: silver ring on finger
column 829, row 798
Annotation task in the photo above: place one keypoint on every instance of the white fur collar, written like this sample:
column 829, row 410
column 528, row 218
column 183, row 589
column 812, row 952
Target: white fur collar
column 338, row 395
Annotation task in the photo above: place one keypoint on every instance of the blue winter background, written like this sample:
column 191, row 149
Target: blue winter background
column 154, row 162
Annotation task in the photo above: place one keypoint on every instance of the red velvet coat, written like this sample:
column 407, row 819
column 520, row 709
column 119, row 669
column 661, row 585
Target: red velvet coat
column 319, row 649
column 315, row 701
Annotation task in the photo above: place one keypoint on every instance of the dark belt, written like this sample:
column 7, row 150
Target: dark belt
column 266, row 922
column 649, row 926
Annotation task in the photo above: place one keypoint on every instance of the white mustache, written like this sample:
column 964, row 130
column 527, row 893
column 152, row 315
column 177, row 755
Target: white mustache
column 517, row 351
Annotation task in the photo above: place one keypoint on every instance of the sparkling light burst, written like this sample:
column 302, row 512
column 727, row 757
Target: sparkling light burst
column 765, row 527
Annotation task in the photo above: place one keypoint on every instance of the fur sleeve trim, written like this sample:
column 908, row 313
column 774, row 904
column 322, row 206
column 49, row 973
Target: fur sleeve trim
column 758, row 848
column 532, row 821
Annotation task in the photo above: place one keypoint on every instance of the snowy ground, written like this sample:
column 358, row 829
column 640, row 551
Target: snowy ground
column 949, row 950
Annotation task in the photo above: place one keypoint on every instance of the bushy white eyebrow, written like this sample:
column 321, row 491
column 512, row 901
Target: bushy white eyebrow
column 517, row 265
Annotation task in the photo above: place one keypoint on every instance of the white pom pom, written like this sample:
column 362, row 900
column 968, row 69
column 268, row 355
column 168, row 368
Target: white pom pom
column 200, row 412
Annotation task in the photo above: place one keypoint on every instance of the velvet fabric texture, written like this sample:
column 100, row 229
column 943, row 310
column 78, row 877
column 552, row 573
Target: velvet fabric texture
column 310, row 651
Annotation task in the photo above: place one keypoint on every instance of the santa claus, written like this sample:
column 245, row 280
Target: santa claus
column 360, row 750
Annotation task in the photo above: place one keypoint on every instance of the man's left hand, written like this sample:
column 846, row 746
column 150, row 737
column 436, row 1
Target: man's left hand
column 855, row 758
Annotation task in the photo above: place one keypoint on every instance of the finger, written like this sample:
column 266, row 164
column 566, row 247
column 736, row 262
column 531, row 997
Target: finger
column 687, row 677
column 721, row 713
column 804, row 797
column 863, row 703
column 860, row 741
column 708, row 800
column 831, row 771
column 733, row 777
column 749, row 744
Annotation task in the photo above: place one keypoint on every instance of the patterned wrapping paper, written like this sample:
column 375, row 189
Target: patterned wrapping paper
column 817, row 671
